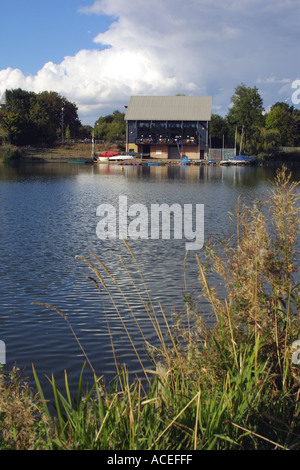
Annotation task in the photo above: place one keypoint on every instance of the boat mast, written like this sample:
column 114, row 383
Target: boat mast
column 241, row 146
column 235, row 137
column 93, row 144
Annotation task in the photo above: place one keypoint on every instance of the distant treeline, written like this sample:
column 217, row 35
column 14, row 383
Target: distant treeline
column 28, row 118
column 251, row 128
column 31, row 118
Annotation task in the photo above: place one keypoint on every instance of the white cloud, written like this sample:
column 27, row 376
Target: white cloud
column 170, row 46
column 273, row 79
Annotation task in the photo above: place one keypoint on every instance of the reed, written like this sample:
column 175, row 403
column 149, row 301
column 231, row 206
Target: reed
column 230, row 385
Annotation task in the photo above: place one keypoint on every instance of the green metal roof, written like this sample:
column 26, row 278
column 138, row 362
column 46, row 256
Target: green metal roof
column 169, row 108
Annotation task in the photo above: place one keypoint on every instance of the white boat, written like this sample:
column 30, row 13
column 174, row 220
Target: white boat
column 241, row 160
column 120, row 157
column 104, row 156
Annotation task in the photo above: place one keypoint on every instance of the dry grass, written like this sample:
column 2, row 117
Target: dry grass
column 257, row 266
column 23, row 425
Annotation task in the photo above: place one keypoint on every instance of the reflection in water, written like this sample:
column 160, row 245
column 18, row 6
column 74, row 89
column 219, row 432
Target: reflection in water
column 48, row 216
column 234, row 175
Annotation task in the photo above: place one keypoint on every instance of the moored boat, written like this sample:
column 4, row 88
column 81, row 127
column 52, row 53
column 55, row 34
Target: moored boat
column 120, row 157
column 185, row 160
column 104, row 156
column 241, row 160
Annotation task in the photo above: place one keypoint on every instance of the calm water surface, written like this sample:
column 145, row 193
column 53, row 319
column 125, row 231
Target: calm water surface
column 48, row 216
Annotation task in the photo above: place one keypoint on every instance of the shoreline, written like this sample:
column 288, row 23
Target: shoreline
column 82, row 152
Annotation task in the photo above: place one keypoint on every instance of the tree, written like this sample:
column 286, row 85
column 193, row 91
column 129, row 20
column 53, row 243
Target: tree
column 30, row 118
column 218, row 128
column 14, row 119
column 246, row 113
column 85, row 132
column 47, row 113
column 17, row 101
column 296, row 127
column 68, row 132
column 111, row 127
column 284, row 119
column 264, row 140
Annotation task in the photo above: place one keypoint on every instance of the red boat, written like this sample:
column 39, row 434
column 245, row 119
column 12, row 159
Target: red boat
column 107, row 154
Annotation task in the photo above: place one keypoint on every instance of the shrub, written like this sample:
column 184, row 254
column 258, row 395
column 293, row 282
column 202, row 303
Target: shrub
column 8, row 153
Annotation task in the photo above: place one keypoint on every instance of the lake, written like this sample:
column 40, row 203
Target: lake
column 49, row 215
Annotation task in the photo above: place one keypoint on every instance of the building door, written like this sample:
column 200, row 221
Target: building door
column 173, row 152
column 146, row 150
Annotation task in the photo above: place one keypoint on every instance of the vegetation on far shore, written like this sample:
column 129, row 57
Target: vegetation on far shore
column 231, row 385
column 47, row 118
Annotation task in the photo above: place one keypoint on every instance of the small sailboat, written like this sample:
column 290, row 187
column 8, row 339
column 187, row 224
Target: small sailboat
column 241, row 160
column 120, row 156
column 105, row 156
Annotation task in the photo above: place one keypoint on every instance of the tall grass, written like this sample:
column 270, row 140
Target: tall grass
column 230, row 385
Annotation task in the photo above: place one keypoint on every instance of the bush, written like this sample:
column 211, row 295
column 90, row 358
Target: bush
column 9, row 153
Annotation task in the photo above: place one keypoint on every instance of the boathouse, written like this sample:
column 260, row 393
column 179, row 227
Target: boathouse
column 168, row 126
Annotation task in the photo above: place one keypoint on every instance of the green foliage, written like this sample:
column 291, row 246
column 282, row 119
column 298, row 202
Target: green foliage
column 8, row 153
column 286, row 121
column 218, row 128
column 256, row 132
column 247, row 107
column 85, row 132
column 111, row 128
column 23, row 424
column 245, row 115
column 30, row 118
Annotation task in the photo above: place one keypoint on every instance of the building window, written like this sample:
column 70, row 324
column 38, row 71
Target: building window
column 159, row 124
column 174, row 125
column 144, row 125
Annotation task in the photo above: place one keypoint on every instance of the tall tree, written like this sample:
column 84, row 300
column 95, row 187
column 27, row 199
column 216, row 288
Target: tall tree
column 50, row 112
column 246, row 113
column 15, row 116
column 17, row 101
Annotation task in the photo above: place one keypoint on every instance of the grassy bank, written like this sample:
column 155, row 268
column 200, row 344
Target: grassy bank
column 64, row 152
column 233, row 385
column 9, row 153
column 77, row 151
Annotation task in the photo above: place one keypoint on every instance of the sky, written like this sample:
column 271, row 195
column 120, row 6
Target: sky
column 99, row 53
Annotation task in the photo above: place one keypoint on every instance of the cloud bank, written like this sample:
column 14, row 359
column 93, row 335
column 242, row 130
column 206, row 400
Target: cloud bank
column 165, row 47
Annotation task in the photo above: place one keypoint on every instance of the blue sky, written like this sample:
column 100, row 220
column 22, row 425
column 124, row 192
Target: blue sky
column 34, row 32
column 98, row 53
